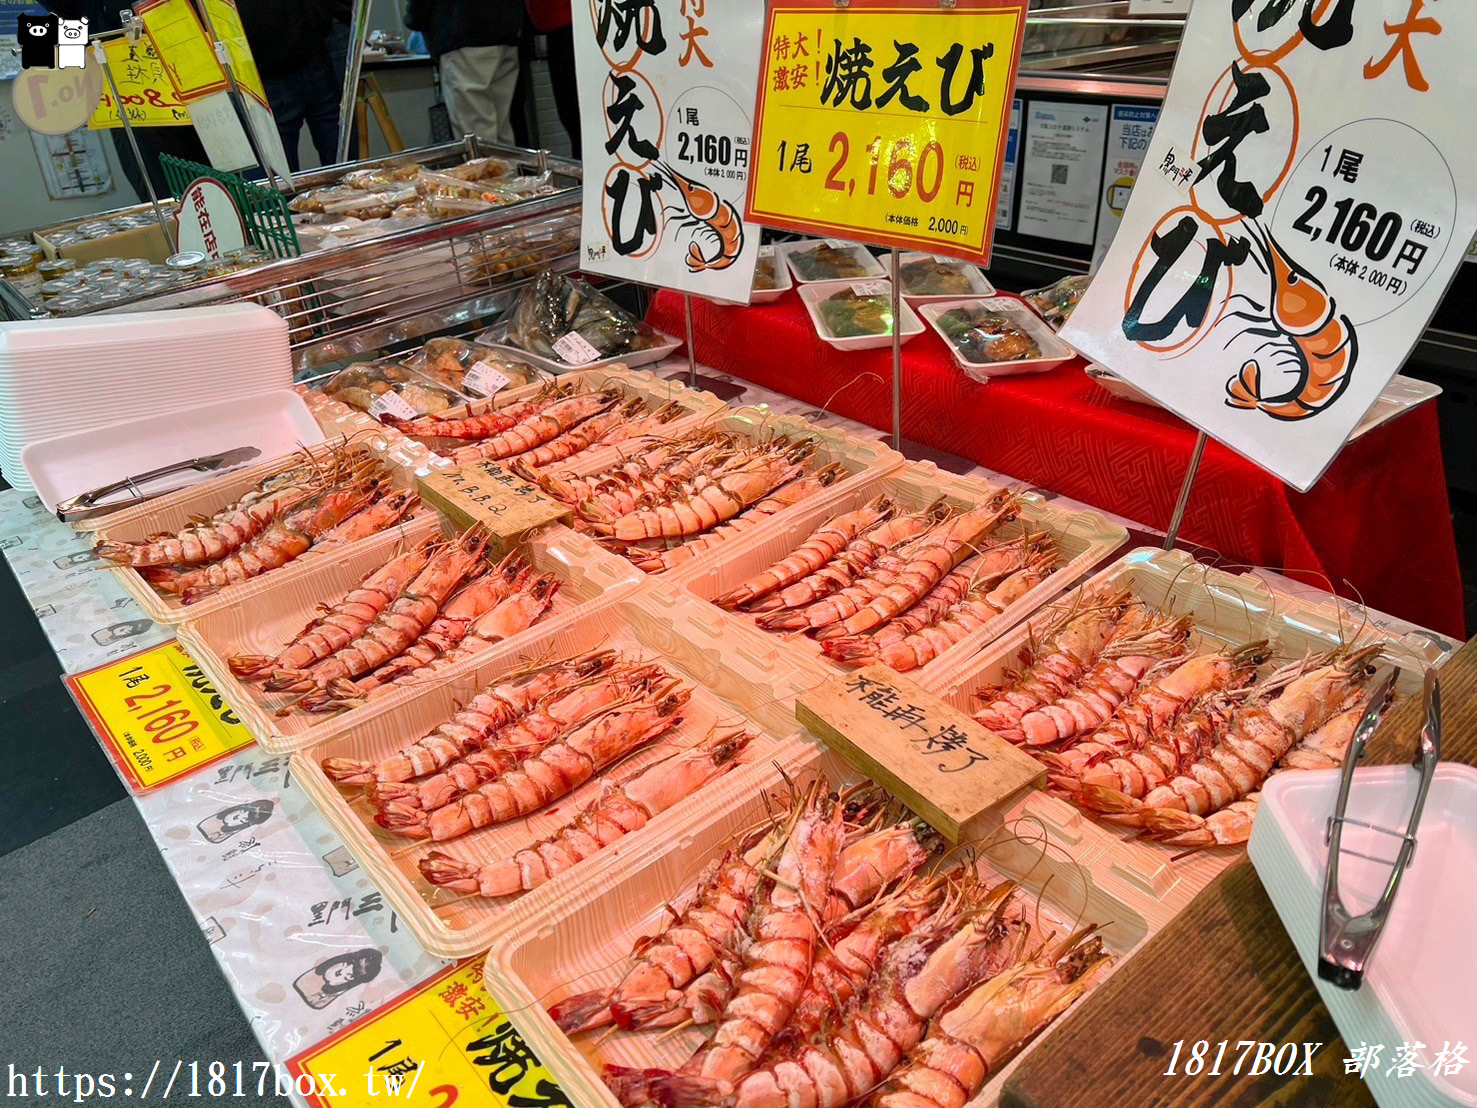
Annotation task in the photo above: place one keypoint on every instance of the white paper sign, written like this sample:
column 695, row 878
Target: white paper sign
column 1329, row 204
column 484, row 379
column 666, row 91
column 1061, row 170
column 1005, row 203
column 1130, row 126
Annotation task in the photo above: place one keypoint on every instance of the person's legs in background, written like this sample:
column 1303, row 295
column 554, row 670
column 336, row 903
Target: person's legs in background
column 324, row 85
column 338, row 59
column 560, row 45
column 479, row 83
column 287, row 94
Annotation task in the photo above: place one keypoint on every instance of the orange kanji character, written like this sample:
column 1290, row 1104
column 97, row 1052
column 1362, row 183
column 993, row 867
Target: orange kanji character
column 799, row 75
column 691, row 45
column 1413, row 24
column 781, row 78
column 453, row 993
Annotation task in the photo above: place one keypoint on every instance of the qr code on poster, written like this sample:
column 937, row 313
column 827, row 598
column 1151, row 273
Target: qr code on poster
column 1058, row 174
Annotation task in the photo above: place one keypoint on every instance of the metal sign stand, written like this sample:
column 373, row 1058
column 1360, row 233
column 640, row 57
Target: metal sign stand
column 691, row 348
column 897, row 352
column 358, row 27
column 238, row 102
column 1179, row 507
column 101, row 54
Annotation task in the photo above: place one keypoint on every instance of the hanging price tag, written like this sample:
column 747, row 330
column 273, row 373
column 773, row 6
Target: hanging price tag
column 484, row 379
column 871, row 288
column 575, row 349
column 225, row 20
column 157, row 715
column 392, row 404
column 885, row 120
column 148, row 99
column 188, row 55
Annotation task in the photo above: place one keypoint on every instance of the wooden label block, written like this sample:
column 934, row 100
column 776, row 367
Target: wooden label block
column 491, row 496
column 935, row 759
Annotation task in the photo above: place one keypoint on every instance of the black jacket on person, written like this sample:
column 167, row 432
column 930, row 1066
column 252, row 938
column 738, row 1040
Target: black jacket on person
column 453, row 24
column 286, row 35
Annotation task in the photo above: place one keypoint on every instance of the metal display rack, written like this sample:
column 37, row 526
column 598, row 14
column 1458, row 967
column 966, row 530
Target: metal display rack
column 346, row 300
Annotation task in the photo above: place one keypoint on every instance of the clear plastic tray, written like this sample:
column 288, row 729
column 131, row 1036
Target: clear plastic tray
column 1053, row 350
column 727, row 688
column 582, row 941
column 1083, row 539
column 585, row 572
column 979, row 284
column 1228, row 609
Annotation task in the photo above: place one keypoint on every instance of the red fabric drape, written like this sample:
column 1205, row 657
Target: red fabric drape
column 1378, row 525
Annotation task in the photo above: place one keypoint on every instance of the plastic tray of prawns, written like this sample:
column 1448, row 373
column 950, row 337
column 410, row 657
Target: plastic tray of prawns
column 544, row 422
column 816, row 586
column 219, row 543
column 476, row 799
column 1160, row 694
column 309, row 655
column 801, row 940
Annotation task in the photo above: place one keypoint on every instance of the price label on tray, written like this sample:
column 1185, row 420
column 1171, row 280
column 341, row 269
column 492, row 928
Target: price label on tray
column 891, row 126
column 157, row 715
column 768, row 251
column 493, row 497
column 447, row 1038
column 575, row 349
column 391, row 404
column 485, row 379
column 871, row 288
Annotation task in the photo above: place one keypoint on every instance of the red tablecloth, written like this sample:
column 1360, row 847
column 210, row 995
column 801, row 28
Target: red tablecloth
column 1377, row 526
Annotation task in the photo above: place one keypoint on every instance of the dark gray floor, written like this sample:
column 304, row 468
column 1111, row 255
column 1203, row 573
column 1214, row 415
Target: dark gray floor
column 103, row 968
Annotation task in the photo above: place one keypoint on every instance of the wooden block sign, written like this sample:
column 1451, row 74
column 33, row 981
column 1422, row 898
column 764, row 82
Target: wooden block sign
column 934, row 758
column 495, row 498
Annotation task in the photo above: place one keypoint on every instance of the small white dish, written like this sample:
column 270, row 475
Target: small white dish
column 1053, row 350
column 979, row 285
column 783, row 281
column 864, row 258
column 813, row 294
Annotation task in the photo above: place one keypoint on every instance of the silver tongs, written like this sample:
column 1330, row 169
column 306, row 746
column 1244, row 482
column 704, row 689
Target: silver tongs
column 1345, row 942
column 85, row 504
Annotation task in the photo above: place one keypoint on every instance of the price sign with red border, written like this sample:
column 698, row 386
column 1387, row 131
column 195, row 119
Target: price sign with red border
column 885, row 121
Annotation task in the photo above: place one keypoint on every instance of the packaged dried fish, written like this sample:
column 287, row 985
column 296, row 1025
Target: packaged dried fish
column 448, row 361
column 935, row 277
column 555, row 306
column 359, row 386
column 1055, row 302
column 983, row 337
column 824, row 262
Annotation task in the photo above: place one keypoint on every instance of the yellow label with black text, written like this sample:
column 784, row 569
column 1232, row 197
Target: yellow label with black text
column 147, row 96
column 180, row 40
column 158, row 715
column 226, row 21
column 445, row 1042
column 885, row 121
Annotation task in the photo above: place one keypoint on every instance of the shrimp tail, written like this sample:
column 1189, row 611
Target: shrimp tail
column 347, row 771
column 1245, row 389
column 583, row 1012
column 448, row 872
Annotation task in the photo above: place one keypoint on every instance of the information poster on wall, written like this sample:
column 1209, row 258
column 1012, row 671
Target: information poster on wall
column 1005, row 204
column 891, row 125
column 1305, row 200
column 1060, row 173
column 666, row 90
column 1130, row 126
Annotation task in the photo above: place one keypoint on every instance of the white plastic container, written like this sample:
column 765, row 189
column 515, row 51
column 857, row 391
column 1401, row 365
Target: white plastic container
column 1421, row 978
column 868, row 262
column 783, row 280
column 1053, row 350
column 908, row 324
column 979, row 284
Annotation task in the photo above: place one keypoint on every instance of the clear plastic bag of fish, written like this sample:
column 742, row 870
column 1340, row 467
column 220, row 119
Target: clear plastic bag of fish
column 389, row 387
column 555, row 307
column 480, row 169
column 470, row 368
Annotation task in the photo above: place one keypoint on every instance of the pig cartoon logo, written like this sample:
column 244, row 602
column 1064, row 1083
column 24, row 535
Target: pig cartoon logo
column 38, row 37
column 71, row 50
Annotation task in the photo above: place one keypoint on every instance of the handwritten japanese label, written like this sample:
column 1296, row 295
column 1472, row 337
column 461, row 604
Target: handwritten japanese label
column 488, row 495
column 1304, row 203
column 157, row 715
column 666, row 90
column 148, row 98
column 934, row 758
column 444, row 1042
column 886, row 120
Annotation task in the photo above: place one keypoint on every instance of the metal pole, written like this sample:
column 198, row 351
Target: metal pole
column 691, row 349
column 1179, row 508
column 358, row 26
column 238, row 102
column 101, row 54
column 897, row 354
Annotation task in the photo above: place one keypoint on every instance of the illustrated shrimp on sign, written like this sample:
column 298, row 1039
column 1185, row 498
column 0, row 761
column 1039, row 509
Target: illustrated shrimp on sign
column 715, row 222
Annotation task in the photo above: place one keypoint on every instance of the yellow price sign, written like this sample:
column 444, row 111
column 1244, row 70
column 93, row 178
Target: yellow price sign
column 225, row 21
column 444, row 1043
column 885, row 120
column 158, row 715
column 181, row 42
column 144, row 88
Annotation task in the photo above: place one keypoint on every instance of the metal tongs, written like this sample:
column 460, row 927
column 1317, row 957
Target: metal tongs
column 85, row 504
column 1345, row 942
